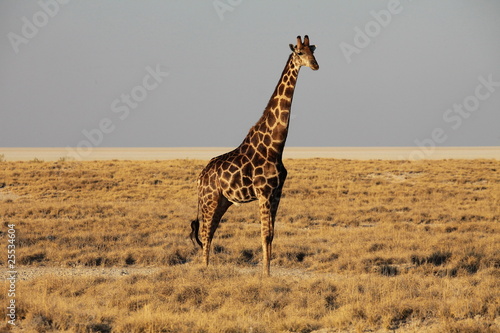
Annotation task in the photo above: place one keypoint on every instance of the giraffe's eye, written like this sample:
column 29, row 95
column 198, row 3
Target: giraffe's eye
column 299, row 53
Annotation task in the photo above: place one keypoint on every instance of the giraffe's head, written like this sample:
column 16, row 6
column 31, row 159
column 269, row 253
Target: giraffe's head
column 303, row 53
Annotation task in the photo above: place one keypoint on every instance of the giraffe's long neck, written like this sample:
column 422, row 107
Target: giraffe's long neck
column 271, row 131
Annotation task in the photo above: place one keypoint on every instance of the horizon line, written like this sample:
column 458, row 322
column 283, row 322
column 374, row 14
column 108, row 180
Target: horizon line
column 206, row 153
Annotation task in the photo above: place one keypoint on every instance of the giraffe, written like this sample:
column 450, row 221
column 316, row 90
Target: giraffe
column 254, row 170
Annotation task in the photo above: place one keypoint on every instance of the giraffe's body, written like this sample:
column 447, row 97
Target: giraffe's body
column 254, row 170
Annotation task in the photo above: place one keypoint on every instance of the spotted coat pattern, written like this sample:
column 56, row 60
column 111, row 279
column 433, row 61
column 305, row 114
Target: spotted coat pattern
column 254, row 170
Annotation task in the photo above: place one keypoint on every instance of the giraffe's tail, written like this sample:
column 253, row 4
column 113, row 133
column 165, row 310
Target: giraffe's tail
column 195, row 227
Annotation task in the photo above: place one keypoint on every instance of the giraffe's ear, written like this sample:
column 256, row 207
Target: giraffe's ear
column 292, row 47
column 312, row 48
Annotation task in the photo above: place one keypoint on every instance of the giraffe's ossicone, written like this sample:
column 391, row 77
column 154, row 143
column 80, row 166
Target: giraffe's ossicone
column 254, row 170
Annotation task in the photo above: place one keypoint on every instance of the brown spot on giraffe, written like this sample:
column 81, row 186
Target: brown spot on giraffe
column 267, row 140
column 254, row 170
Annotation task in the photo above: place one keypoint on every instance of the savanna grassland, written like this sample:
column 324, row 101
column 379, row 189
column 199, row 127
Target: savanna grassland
column 360, row 246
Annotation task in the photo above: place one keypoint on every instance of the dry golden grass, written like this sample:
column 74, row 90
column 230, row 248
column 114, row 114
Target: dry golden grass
column 360, row 246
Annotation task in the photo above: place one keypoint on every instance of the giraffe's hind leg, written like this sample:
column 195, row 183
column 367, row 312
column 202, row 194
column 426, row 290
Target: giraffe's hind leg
column 212, row 213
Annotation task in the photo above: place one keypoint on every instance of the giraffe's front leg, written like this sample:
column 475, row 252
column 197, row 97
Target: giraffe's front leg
column 267, row 232
column 268, row 209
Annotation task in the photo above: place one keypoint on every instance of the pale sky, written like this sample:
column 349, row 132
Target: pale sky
column 123, row 73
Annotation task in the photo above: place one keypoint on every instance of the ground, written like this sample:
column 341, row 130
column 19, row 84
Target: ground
column 360, row 246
